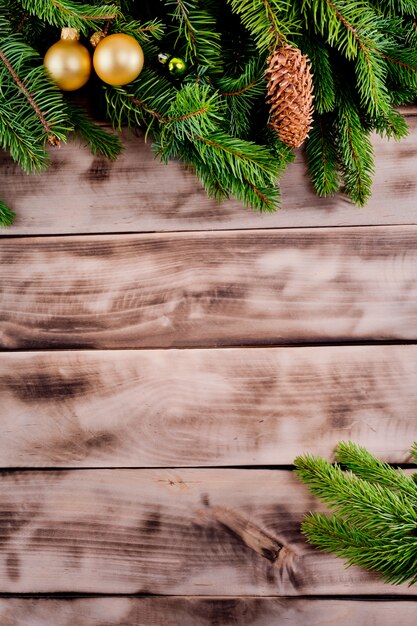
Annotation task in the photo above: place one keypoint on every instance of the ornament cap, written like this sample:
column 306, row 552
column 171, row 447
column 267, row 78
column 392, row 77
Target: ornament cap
column 163, row 58
column 96, row 38
column 70, row 34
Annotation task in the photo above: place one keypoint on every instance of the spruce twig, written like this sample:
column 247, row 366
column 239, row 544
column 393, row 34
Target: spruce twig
column 7, row 216
column 374, row 511
column 52, row 139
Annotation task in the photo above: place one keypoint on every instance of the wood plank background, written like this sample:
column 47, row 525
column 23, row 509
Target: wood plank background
column 156, row 385
column 211, row 289
column 166, row 531
column 205, row 611
column 247, row 406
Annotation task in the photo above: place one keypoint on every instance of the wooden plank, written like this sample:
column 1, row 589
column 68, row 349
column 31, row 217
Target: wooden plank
column 209, row 289
column 204, row 407
column 83, row 194
column 175, row 532
column 119, row 611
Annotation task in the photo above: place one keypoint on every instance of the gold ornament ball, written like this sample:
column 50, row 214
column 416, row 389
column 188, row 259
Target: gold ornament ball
column 69, row 64
column 118, row 59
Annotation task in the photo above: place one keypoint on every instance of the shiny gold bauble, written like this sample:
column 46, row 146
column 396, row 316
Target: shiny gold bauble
column 118, row 59
column 69, row 64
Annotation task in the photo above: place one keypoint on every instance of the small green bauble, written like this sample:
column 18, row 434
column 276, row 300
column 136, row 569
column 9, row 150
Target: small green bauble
column 177, row 67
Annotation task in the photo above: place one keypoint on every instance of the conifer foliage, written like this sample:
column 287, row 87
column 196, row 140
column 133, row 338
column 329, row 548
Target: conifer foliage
column 373, row 522
column 216, row 118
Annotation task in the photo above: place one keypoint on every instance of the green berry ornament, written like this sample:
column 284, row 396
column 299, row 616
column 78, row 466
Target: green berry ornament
column 176, row 66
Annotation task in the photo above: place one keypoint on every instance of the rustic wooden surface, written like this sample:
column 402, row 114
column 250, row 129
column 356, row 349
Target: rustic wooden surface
column 83, row 194
column 166, row 531
column 210, row 289
column 246, row 406
column 205, row 612
column 138, row 469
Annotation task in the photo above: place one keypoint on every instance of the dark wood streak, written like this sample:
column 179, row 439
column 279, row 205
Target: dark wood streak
column 99, row 172
column 42, row 386
column 249, row 533
column 13, row 566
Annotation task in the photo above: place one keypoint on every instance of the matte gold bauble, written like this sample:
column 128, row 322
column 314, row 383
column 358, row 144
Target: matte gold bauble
column 68, row 62
column 118, row 59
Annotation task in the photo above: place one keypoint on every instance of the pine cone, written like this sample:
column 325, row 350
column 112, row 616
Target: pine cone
column 290, row 94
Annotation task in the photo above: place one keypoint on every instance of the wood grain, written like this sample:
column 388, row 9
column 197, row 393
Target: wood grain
column 176, row 532
column 248, row 611
column 84, row 194
column 209, row 289
column 204, row 407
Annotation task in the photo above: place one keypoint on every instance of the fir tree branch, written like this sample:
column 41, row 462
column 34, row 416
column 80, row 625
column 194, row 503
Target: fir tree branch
column 62, row 13
column 197, row 25
column 356, row 31
column 32, row 110
column 52, row 138
column 323, row 81
column 392, row 557
column 371, row 507
column 240, row 93
column 375, row 523
column 355, row 150
column 390, row 125
column 322, row 157
column 359, row 461
column 146, row 99
column 395, row 7
column 265, row 20
column 99, row 140
column 145, row 108
column 7, row 216
column 219, row 142
column 182, row 12
column 22, row 22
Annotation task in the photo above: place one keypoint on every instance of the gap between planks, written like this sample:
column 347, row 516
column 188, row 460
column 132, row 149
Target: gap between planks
column 6, row 235
column 267, row 346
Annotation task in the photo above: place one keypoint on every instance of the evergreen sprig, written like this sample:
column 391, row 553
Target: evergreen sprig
column 373, row 521
column 196, row 31
column 62, row 13
column 32, row 109
column 6, row 215
column 100, row 141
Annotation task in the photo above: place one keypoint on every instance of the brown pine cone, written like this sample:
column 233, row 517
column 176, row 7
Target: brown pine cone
column 290, row 94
